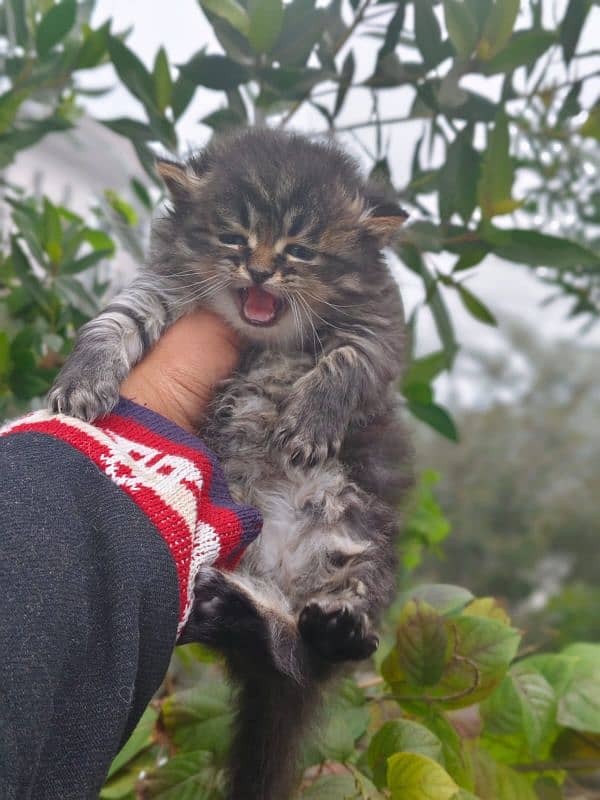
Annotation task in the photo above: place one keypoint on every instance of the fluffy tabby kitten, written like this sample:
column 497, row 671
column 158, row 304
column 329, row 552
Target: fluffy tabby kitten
column 282, row 237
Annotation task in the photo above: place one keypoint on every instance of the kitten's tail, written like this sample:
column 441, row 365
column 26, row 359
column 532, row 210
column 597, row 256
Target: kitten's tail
column 274, row 712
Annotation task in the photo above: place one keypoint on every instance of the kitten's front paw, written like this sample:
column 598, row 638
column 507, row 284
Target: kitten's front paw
column 305, row 437
column 336, row 631
column 84, row 395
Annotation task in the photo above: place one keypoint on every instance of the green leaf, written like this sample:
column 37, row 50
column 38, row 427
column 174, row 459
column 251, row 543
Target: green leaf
column 428, row 33
column 303, row 26
column 557, row 668
column 523, row 704
column 471, row 254
column 181, row 96
column 412, row 776
column 548, row 789
column 571, row 105
column 456, row 758
column 579, row 708
column 142, row 193
column 480, row 11
column 132, row 72
column 425, row 525
column 5, row 361
column 52, row 234
column 26, row 275
column 422, row 643
column 16, row 11
column 340, row 787
column 462, row 27
column 85, row 262
column 418, row 393
column 346, row 76
column 266, row 22
column 410, row 255
column 591, row 127
column 54, row 26
column 199, row 719
column 10, row 102
column 189, row 776
column 572, row 25
column 394, row 29
column 426, row 368
column 524, row 47
column 445, row 598
column 496, row 781
column 498, row 28
column 459, row 177
column 138, row 741
column 487, row 607
column 231, row 11
column 474, row 306
column 214, row 71
column 93, row 47
column 401, row 735
column 292, row 82
column 436, row 417
column 122, row 209
column 490, row 646
column 163, row 84
column 98, row 239
column 223, row 118
column 347, row 718
column 495, row 184
column 539, row 249
column 76, row 295
column 131, row 128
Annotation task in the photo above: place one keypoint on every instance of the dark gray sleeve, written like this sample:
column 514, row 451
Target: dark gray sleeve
column 88, row 619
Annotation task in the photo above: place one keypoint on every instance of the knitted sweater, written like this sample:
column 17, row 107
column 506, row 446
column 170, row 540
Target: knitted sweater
column 102, row 528
column 172, row 477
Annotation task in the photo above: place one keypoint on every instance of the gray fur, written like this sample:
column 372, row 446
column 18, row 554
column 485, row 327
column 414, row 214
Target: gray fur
column 307, row 429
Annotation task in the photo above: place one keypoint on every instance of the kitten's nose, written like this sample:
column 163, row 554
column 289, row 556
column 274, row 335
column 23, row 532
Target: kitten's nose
column 259, row 275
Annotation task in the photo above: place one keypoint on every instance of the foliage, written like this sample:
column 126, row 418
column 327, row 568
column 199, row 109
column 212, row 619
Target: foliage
column 454, row 712
column 525, row 506
column 44, row 298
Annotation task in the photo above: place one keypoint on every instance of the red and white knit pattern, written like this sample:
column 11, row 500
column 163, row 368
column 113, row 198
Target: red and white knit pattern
column 168, row 480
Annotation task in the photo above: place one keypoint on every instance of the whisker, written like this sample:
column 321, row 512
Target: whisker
column 336, row 307
column 309, row 313
column 194, row 297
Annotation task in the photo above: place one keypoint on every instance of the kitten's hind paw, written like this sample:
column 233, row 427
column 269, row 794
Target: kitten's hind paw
column 336, row 631
column 223, row 615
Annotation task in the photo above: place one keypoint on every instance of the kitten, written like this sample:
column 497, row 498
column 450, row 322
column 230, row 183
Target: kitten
column 281, row 237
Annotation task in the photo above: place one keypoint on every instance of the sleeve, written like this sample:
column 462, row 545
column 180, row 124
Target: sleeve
column 103, row 528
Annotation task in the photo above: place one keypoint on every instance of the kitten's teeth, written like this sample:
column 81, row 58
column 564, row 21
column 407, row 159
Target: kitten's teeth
column 259, row 307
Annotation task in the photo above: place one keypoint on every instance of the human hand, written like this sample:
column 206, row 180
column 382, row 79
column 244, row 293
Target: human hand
column 178, row 376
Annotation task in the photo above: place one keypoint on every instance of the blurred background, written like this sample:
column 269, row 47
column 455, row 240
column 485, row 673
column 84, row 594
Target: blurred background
column 483, row 115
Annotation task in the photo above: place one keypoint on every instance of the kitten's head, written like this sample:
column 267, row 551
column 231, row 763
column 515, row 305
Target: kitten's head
column 274, row 232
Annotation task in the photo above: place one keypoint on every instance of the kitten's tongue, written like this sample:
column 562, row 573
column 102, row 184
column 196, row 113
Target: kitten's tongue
column 259, row 306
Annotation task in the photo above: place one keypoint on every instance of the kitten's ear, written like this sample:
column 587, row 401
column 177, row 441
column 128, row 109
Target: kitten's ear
column 383, row 219
column 179, row 179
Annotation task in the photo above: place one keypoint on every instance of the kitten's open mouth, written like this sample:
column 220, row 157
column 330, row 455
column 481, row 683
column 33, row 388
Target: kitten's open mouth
column 259, row 307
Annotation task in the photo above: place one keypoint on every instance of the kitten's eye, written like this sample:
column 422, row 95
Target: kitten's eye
column 300, row 252
column 233, row 239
